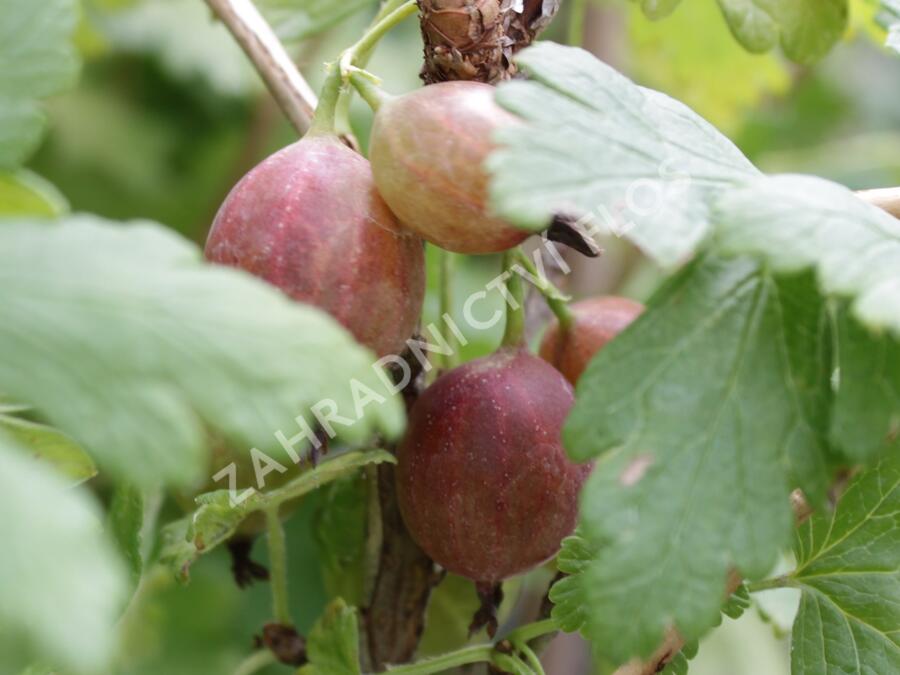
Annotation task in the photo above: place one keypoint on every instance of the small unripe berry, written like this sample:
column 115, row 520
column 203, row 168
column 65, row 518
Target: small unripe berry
column 428, row 149
column 596, row 321
column 309, row 220
column 483, row 482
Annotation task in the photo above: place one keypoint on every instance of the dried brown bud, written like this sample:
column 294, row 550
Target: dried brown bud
column 475, row 39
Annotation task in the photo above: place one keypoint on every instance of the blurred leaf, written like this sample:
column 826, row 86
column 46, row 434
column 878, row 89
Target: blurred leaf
column 591, row 137
column 61, row 586
column 36, row 60
column 188, row 41
column 866, row 419
column 333, row 643
column 24, row 193
column 217, row 519
column 181, row 344
column 889, row 17
column 569, row 609
column 658, row 9
column 126, row 520
column 704, row 411
column 849, row 574
column 801, row 222
column 49, row 445
column 299, row 19
column 807, row 29
column 340, row 528
column 692, row 56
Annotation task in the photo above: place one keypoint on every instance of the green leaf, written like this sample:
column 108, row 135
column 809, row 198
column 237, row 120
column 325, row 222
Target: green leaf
column 849, row 574
column 126, row 522
column 218, row 516
column 61, row 585
column 340, row 527
column 595, row 139
column 705, row 410
column 50, row 445
column 36, row 60
column 333, row 643
column 800, row 222
column 658, row 9
column 807, row 29
column 188, row 42
column 692, row 57
column 122, row 337
column 569, row 608
column 866, row 419
column 24, row 193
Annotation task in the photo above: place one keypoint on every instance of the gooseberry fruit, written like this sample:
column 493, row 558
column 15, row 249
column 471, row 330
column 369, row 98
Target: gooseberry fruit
column 483, row 482
column 427, row 150
column 596, row 321
column 309, row 220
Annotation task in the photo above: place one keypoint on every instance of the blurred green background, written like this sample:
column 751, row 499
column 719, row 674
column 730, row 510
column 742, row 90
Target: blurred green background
column 169, row 114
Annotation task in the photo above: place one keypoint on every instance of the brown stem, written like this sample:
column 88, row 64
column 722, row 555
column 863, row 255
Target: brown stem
column 887, row 199
column 251, row 31
column 395, row 616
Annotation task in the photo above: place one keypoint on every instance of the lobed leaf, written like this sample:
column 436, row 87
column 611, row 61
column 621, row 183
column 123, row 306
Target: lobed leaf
column 61, row 584
column 333, row 644
column 24, row 193
column 51, row 446
column 218, row 516
column 806, row 29
column 849, row 574
column 37, row 59
column 704, row 412
column 622, row 158
column 122, row 337
column 801, row 222
column 865, row 423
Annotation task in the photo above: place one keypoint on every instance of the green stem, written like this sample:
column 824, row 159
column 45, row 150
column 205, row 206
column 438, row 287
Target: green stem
column 446, row 303
column 324, row 119
column 381, row 27
column 372, row 94
column 444, row 662
column 515, row 316
column 509, row 663
column 530, row 657
column 386, row 8
column 769, row 584
column 360, row 57
column 255, row 662
column 530, row 631
column 332, row 103
column 557, row 301
column 278, row 564
column 475, row 653
column 577, row 12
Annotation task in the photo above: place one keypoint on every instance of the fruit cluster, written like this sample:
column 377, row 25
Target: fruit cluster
column 483, row 481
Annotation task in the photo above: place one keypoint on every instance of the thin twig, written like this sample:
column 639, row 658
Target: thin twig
column 887, row 199
column 259, row 42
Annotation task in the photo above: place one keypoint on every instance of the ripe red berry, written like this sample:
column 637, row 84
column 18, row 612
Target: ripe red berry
column 483, row 482
column 596, row 322
column 309, row 220
column 427, row 149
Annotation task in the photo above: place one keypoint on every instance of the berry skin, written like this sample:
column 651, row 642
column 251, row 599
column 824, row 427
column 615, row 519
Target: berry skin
column 309, row 220
column 596, row 322
column 428, row 149
column 483, row 482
